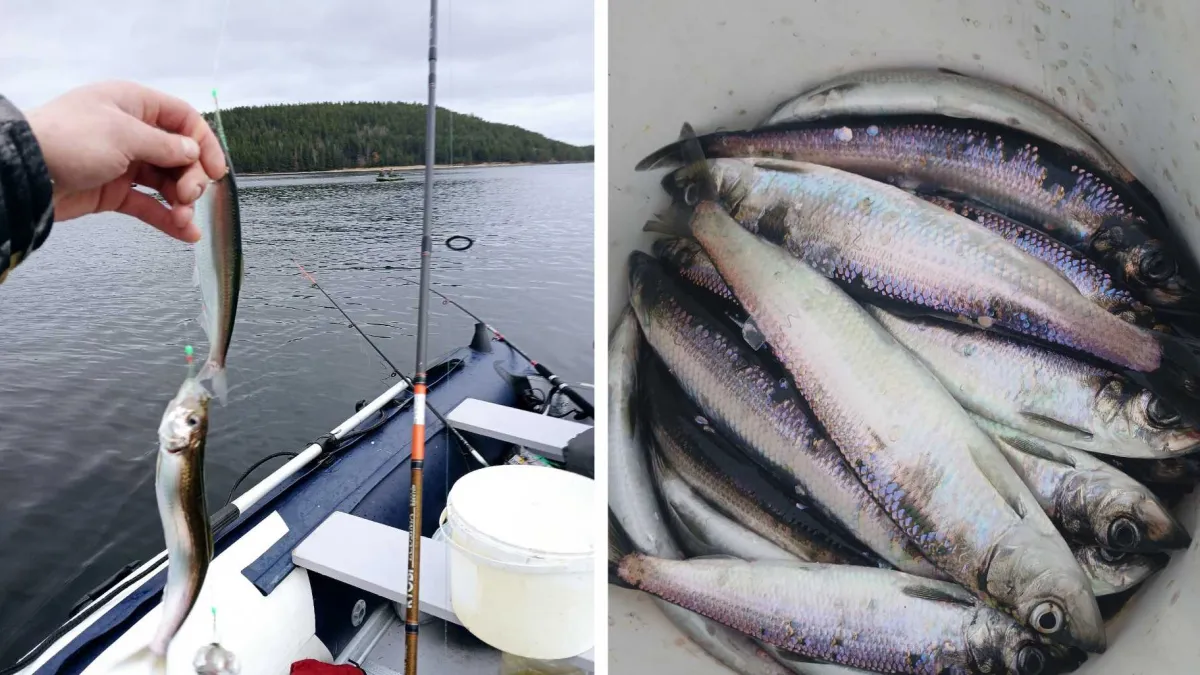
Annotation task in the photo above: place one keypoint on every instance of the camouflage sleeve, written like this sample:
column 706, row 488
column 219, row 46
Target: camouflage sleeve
column 26, row 206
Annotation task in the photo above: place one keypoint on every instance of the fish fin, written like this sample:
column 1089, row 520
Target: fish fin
column 752, row 335
column 1056, row 425
column 1031, row 446
column 666, row 156
column 940, row 593
column 213, row 377
column 672, row 228
column 619, row 546
column 785, row 655
column 781, row 165
column 693, row 157
column 203, row 320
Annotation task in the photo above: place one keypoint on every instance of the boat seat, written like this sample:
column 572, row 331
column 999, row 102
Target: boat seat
column 545, row 435
column 374, row 557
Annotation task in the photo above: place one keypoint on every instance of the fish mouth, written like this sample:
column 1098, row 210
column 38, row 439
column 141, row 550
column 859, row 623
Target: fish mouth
column 1163, row 531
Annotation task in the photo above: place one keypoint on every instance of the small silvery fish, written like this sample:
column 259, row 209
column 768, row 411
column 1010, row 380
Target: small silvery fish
column 725, row 645
column 1043, row 392
column 704, row 461
column 630, row 490
column 179, row 485
column 873, row 619
column 757, row 409
column 635, row 506
column 914, row 448
column 685, row 259
column 1115, row 572
column 1093, row 282
column 1089, row 501
column 922, row 91
column 933, row 262
column 218, row 270
column 703, row 530
column 1017, row 174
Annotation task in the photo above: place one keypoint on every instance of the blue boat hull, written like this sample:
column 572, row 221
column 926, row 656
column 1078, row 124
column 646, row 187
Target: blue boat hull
column 369, row 478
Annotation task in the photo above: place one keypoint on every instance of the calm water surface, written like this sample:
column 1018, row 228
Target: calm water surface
column 92, row 330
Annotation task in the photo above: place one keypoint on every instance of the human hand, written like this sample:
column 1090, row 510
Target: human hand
column 101, row 139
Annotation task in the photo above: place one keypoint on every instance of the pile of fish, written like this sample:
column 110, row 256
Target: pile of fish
column 909, row 385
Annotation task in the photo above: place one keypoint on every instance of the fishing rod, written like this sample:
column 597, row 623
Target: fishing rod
column 395, row 371
column 412, row 614
column 585, row 408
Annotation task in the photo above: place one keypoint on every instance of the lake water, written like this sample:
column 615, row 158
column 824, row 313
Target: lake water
column 93, row 327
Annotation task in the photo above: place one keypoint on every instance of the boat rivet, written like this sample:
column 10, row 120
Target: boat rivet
column 358, row 613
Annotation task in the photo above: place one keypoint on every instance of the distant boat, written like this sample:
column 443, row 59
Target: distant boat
column 390, row 176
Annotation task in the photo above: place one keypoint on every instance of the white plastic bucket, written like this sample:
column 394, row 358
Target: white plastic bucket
column 521, row 559
column 1125, row 70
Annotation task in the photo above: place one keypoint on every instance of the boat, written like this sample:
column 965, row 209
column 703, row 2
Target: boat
column 387, row 177
column 261, row 603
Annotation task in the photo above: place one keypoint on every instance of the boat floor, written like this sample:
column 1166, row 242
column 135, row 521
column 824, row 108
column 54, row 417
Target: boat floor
column 442, row 647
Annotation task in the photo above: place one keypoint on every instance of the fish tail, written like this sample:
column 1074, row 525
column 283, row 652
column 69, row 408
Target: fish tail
column 682, row 152
column 212, row 375
column 620, row 547
column 665, row 157
column 673, row 221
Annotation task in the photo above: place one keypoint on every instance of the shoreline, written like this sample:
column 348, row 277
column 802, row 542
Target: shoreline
column 410, row 167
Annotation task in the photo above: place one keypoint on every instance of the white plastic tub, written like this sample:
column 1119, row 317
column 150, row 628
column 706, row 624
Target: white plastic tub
column 1126, row 70
column 521, row 559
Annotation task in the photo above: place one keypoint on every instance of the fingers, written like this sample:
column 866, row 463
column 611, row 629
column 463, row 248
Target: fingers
column 175, row 115
column 174, row 222
column 155, row 146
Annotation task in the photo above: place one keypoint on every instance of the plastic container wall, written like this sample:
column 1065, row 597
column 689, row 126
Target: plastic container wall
column 1124, row 69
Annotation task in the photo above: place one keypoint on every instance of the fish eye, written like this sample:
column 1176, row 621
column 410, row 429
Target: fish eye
column 1160, row 413
column 1123, row 533
column 1030, row 660
column 1047, row 618
column 1156, row 266
column 1108, row 555
column 192, row 420
column 691, row 194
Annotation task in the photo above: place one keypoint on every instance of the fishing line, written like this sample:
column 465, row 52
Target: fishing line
column 220, row 41
column 395, row 371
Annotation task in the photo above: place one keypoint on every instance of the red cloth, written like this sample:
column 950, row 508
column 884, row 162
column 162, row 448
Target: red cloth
column 315, row 667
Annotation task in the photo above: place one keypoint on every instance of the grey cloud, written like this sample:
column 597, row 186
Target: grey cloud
column 527, row 63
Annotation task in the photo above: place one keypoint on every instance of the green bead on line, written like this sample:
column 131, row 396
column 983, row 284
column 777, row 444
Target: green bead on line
column 189, row 351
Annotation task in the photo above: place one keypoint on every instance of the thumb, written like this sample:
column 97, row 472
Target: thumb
column 160, row 148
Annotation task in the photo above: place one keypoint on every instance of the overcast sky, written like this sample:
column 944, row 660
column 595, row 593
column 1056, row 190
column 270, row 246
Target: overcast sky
column 523, row 62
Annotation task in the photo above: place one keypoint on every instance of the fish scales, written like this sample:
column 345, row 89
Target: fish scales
column 859, row 617
column 1042, row 392
column 634, row 505
column 1019, row 175
column 758, row 410
column 885, row 244
column 942, row 481
column 1092, row 280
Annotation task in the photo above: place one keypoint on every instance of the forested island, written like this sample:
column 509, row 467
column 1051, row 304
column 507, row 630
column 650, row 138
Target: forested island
column 327, row 136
